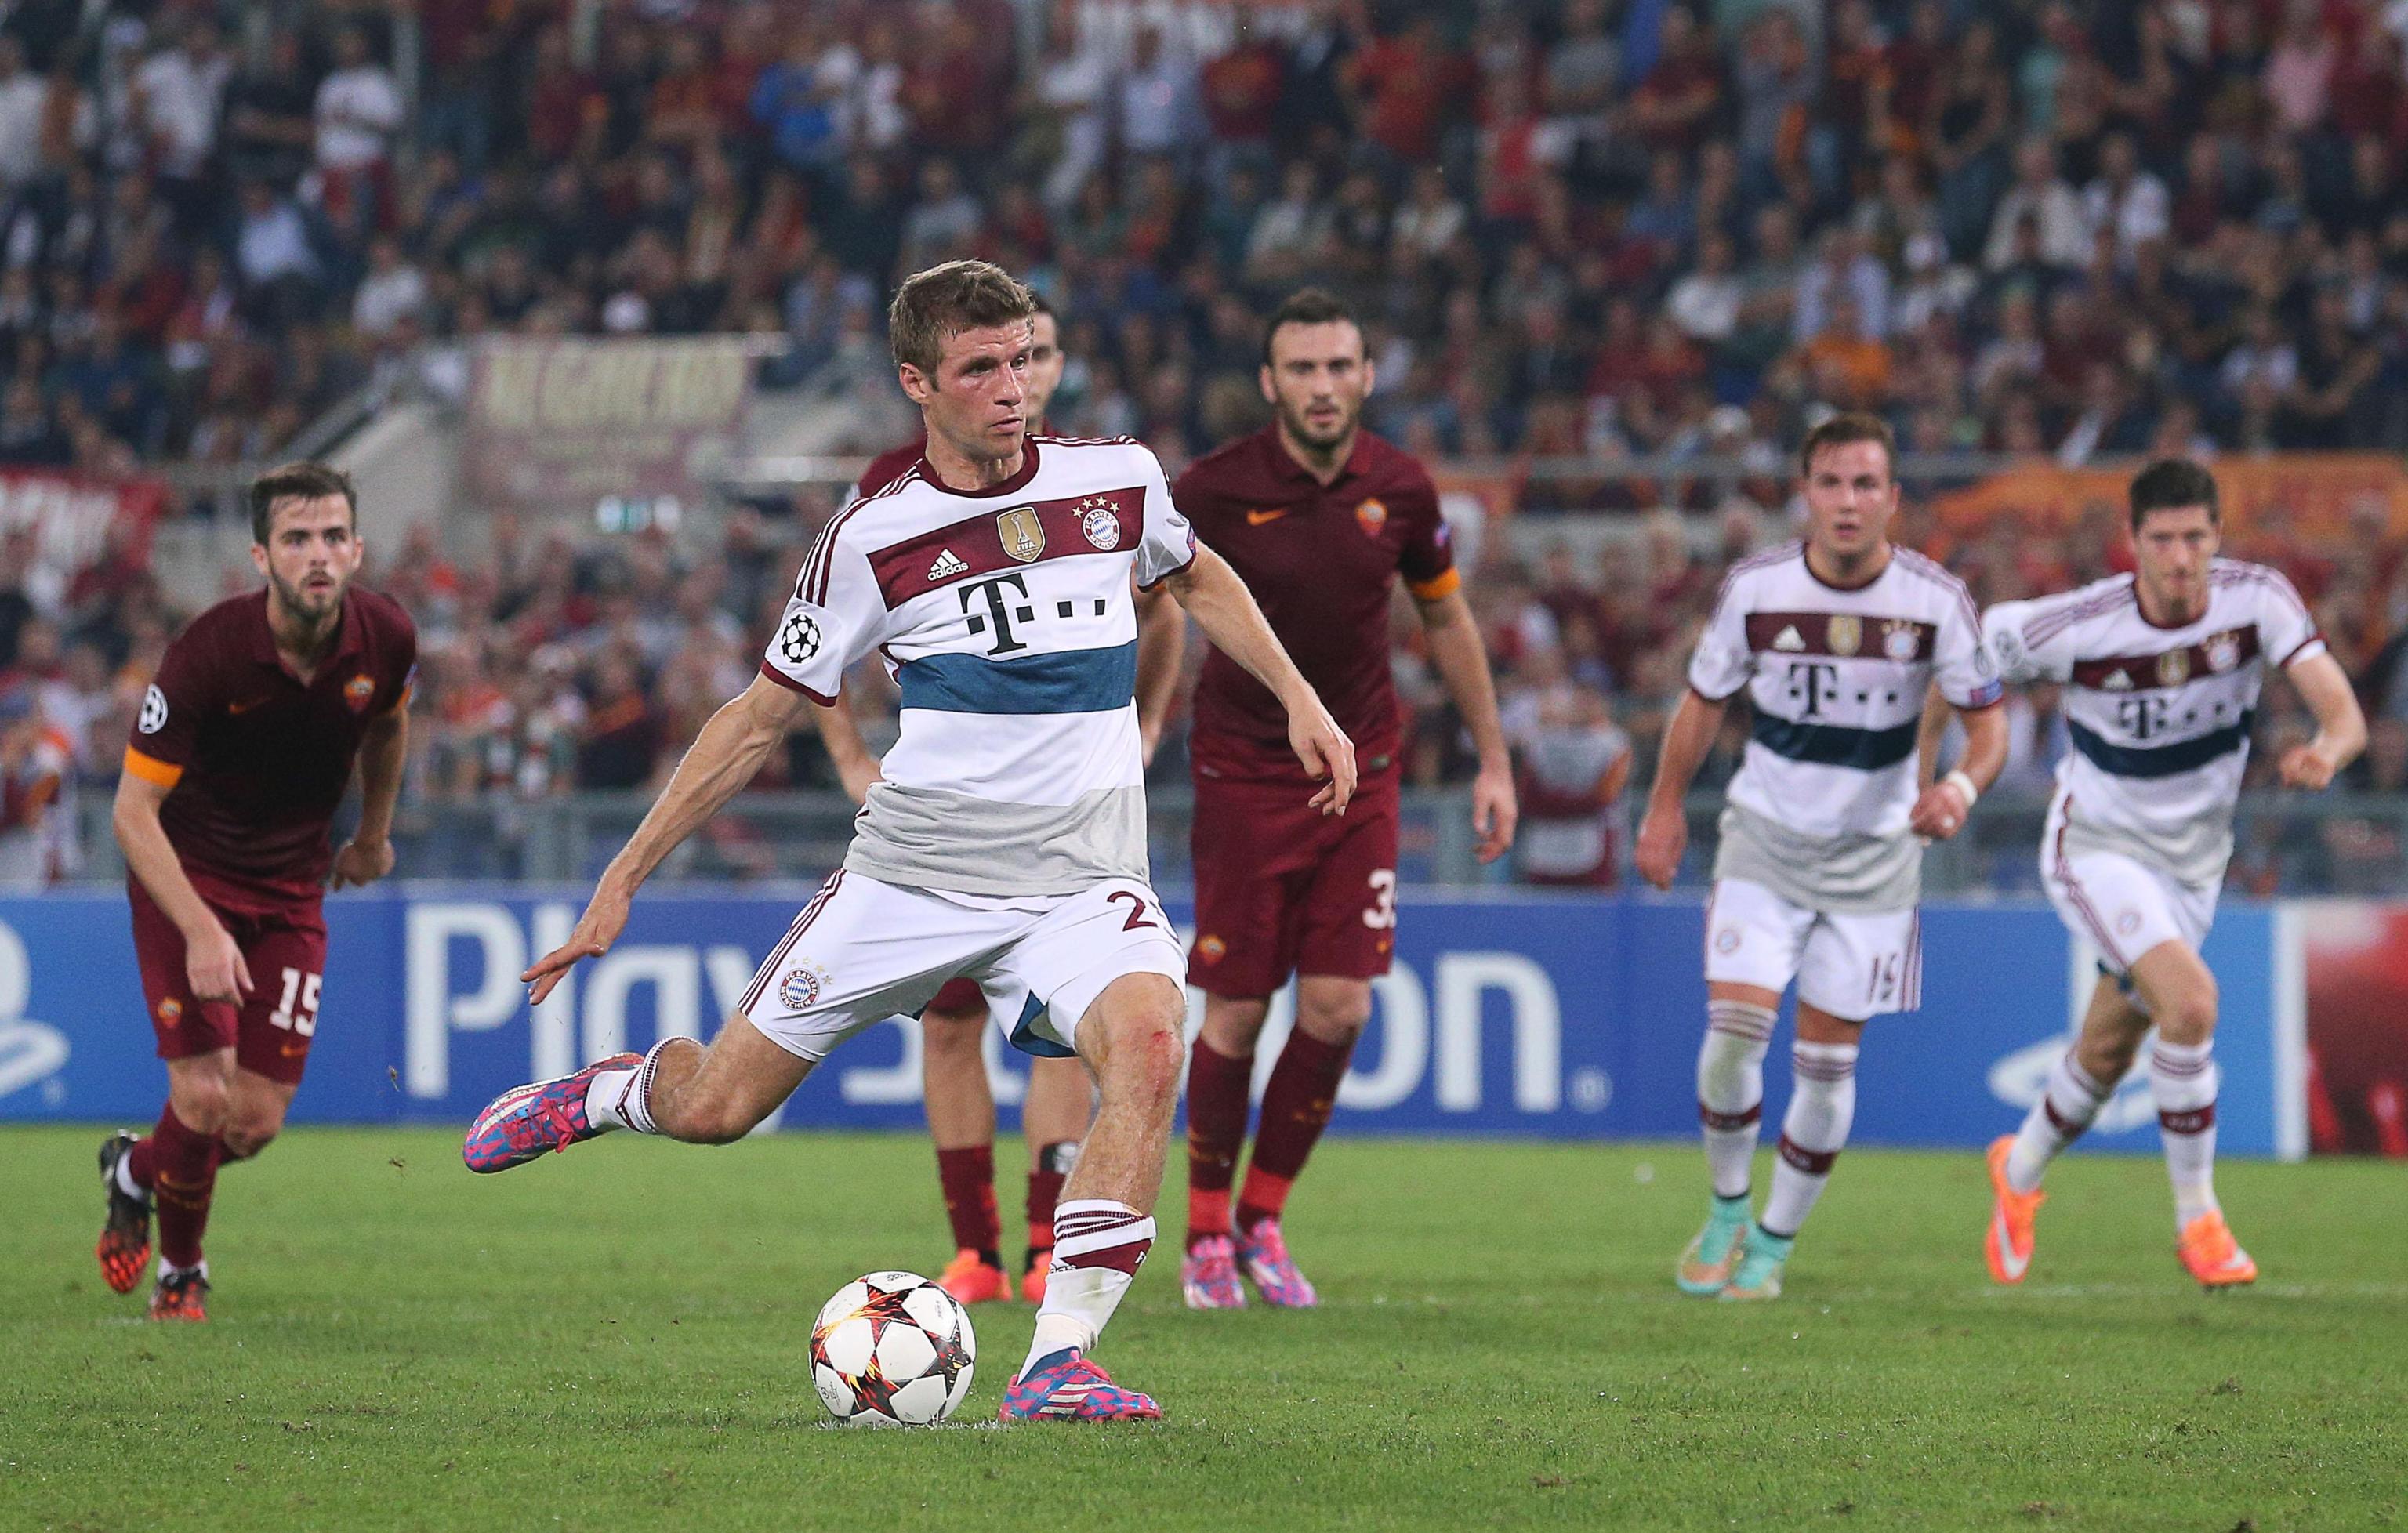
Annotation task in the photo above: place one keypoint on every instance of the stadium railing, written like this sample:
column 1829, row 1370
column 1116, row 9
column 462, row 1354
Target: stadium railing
column 2291, row 844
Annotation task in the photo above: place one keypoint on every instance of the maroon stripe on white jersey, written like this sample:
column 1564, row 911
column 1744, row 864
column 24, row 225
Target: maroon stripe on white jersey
column 1031, row 532
column 2218, row 654
column 1840, row 635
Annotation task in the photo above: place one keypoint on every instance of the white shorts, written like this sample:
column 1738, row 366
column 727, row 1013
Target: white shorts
column 1851, row 963
column 2122, row 906
column 863, row 951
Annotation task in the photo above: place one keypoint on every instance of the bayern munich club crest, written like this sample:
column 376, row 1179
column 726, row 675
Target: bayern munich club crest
column 1899, row 640
column 800, row 989
column 2222, row 652
column 1100, row 520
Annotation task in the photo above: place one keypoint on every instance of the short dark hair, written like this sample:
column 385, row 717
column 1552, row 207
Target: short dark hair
column 934, row 305
column 1307, row 306
column 1845, row 427
column 296, row 481
column 2169, row 485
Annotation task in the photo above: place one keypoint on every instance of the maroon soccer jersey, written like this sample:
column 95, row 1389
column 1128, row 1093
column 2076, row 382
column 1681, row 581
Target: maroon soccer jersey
column 254, row 760
column 1321, row 562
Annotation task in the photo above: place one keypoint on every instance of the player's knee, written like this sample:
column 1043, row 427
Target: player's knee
column 1146, row 1046
column 712, row 1123
column 202, row 1105
column 951, row 1035
column 1336, row 1018
column 2106, row 1060
column 2189, row 1016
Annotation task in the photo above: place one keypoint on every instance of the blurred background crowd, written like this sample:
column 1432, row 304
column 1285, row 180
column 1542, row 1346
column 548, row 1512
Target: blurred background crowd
column 1628, row 231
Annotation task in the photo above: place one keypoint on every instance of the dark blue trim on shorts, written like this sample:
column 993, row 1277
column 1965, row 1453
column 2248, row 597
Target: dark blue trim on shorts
column 1064, row 682
column 1024, row 1038
column 2147, row 761
column 1834, row 744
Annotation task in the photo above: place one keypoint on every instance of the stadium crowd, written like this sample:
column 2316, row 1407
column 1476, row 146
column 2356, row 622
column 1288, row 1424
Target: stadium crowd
column 1602, row 228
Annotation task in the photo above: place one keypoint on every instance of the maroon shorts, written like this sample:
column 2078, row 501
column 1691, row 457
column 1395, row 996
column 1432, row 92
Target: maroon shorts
column 959, row 996
column 1281, row 888
column 269, row 1031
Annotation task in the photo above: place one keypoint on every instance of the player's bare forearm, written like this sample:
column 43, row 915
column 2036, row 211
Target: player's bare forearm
column 1696, row 721
column 151, row 858
column 725, row 756
column 1986, row 745
column 2341, row 725
column 1462, row 666
column 848, row 752
column 384, row 750
column 1161, row 647
column 1209, row 591
column 1930, row 730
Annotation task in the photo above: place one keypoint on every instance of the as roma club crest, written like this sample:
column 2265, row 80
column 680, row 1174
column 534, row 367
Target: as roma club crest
column 1373, row 515
column 357, row 691
column 1844, row 634
column 1023, row 534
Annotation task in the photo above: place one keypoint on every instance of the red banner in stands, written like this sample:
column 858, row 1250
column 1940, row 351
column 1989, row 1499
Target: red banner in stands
column 558, row 425
column 71, row 513
column 2321, row 496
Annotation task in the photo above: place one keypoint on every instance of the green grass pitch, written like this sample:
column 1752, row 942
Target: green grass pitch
column 615, row 1338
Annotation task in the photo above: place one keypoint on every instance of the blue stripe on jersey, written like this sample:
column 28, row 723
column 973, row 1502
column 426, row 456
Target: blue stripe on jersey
column 1834, row 744
column 2146, row 761
column 1064, row 682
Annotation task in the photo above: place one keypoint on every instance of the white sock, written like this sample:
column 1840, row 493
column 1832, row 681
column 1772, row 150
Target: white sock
column 1730, row 1090
column 2183, row 1079
column 602, row 1098
column 167, row 1269
column 628, row 1103
column 1097, row 1246
column 125, row 1182
column 2067, row 1104
column 1821, row 1106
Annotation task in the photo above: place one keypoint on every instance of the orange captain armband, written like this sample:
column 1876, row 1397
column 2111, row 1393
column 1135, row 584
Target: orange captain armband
column 1445, row 583
column 151, row 769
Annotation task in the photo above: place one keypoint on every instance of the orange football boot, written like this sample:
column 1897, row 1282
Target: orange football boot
column 971, row 1279
column 2009, row 1246
column 2210, row 1253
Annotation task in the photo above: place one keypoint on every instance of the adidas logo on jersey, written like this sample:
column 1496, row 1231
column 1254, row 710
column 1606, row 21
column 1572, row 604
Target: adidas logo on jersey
column 2117, row 682
column 1787, row 639
column 947, row 564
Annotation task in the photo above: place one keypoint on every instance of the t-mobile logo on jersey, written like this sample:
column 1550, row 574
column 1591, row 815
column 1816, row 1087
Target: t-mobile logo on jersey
column 999, row 611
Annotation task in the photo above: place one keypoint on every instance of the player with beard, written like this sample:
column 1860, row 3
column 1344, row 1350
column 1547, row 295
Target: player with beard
column 961, row 1104
column 242, row 752
column 1320, row 517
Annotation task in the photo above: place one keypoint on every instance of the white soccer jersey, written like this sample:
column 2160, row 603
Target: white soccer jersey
column 1005, row 616
column 1838, row 677
column 2159, row 718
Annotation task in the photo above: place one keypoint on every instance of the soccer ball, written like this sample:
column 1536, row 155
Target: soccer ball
column 892, row 1349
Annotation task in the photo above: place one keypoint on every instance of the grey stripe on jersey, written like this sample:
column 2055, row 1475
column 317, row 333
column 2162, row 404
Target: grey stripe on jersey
column 952, row 842
column 1847, row 872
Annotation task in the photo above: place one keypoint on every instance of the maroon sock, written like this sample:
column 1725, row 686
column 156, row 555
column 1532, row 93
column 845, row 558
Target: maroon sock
column 1296, row 1103
column 968, row 1179
column 1045, row 1190
column 184, row 1173
column 1219, row 1092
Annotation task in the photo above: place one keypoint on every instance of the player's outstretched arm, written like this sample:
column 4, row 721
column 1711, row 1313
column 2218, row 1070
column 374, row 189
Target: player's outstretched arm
column 213, row 963
column 384, row 750
column 1462, row 664
column 1664, row 834
column 722, row 760
column 1212, row 593
column 2341, row 727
